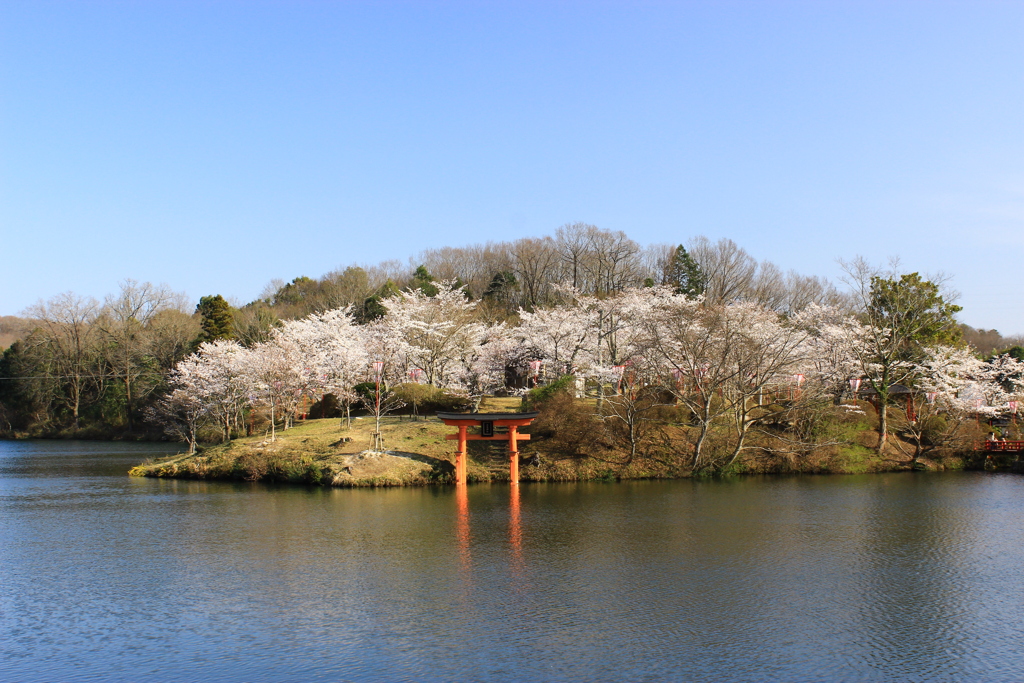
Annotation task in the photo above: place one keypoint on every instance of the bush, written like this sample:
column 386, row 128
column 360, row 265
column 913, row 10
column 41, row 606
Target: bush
column 539, row 395
column 366, row 389
column 429, row 399
column 328, row 406
column 934, row 430
column 568, row 426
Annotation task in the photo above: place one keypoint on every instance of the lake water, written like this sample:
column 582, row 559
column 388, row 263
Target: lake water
column 900, row 577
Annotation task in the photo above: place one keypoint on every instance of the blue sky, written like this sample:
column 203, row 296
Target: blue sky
column 215, row 146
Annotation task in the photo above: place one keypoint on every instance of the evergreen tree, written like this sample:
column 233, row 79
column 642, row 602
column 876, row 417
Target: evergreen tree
column 905, row 316
column 502, row 286
column 424, row 281
column 217, row 318
column 1015, row 352
column 685, row 274
column 295, row 291
column 19, row 398
column 914, row 313
column 372, row 307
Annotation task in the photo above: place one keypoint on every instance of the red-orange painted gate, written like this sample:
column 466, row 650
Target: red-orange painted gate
column 488, row 423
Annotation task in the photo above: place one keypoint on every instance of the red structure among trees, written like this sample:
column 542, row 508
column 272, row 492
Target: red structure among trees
column 489, row 424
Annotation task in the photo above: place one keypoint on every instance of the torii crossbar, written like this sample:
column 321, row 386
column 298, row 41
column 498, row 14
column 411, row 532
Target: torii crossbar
column 487, row 422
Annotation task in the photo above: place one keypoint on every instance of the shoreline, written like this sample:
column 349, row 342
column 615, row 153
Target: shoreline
column 319, row 453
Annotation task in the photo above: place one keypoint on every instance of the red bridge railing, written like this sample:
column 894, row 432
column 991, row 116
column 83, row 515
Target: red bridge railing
column 1000, row 446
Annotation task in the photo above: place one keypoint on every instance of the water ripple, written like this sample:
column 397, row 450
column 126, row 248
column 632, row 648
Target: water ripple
column 890, row 577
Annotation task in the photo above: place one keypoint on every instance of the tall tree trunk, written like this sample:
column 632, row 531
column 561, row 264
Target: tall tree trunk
column 883, row 424
column 76, row 399
column 128, row 403
column 273, row 427
column 698, row 446
column 741, row 439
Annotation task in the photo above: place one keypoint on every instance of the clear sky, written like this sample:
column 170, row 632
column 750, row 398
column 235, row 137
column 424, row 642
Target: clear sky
column 214, row 146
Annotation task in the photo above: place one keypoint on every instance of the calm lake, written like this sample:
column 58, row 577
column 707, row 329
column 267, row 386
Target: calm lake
column 900, row 577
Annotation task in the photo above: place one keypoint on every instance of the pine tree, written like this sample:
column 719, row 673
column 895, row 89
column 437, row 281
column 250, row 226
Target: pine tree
column 424, row 281
column 685, row 274
column 218, row 318
column 906, row 315
column 502, row 286
column 372, row 307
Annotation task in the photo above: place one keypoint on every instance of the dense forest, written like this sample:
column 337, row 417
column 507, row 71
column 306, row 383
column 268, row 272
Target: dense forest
column 638, row 338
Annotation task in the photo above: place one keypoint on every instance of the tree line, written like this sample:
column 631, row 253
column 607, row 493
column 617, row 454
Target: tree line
column 524, row 274
column 83, row 362
column 480, row 319
column 73, row 361
column 730, row 375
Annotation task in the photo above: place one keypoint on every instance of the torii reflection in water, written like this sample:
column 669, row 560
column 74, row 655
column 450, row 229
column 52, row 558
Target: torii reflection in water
column 491, row 427
column 463, row 537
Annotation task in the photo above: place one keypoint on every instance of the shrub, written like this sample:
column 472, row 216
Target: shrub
column 425, row 398
column 568, row 426
column 934, row 430
column 540, row 395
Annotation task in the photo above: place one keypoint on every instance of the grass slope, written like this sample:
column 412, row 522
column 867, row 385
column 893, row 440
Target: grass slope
column 322, row 452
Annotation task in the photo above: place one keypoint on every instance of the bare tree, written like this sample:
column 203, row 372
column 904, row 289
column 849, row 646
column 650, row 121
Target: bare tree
column 66, row 342
column 729, row 270
column 382, row 401
column 573, row 241
column 656, row 261
column 352, row 286
column 804, row 290
column 615, row 263
column 255, row 324
column 13, row 328
column 535, row 262
column 173, row 335
column 124, row 325
column 631, row 411
column 768, row 287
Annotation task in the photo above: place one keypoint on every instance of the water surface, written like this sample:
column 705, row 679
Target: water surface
column 878, row 577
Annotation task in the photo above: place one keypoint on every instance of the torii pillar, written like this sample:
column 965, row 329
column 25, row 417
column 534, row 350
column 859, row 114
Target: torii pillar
column 487, row 422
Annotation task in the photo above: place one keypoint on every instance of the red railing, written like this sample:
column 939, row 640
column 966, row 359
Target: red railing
column 1000, row 446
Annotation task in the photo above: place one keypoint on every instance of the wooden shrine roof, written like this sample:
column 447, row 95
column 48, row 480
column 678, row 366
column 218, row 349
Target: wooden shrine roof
column 487, row 417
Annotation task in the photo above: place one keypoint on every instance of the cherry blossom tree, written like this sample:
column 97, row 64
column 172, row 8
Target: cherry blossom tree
column 830, row 356
column 682, row 345
column 952, row 388
column 333, row 349
column 221, row 381
column 1008, row 372
column 433, row 332
column 484, row 370
column 564, row 337
column 278, row 378
column 209, row 386
column 766, row 352
column 720, row 362
column 185, row 408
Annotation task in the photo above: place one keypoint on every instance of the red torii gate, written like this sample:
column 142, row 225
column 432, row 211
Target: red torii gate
column 487, row 423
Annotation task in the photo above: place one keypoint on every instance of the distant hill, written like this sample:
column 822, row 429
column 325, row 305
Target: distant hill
column 13, row 328
column 987, row 342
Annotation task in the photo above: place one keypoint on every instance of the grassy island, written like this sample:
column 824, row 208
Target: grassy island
column 323, row 452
